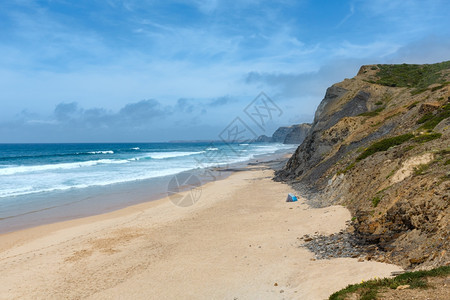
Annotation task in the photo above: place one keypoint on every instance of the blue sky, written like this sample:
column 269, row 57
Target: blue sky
column 147, row 70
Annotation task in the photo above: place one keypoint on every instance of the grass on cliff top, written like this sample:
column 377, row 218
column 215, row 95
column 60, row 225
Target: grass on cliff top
column 368, row 290
column 418, row 77
column 384, row 145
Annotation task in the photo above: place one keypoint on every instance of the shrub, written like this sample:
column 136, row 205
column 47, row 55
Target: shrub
column 440, row 86
column 369, row 289
column 446, row 177
column 348, row 168
column 375, row 200
column 421, row 169
column 391, row 173
column 444, row 151
column 427, row 137
column 372, row 113
column 433, row 120
column 412, row 105
column 425, row 118
column 384, row 145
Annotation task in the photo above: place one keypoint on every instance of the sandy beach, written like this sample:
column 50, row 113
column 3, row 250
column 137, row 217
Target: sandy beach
column 239, row 241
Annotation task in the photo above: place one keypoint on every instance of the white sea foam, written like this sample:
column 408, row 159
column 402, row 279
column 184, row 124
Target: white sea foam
column 16, row 191
column 102, row 172
column 136, row 148
column 63, row 187
column 62, row 166
column 163, row 155
column 102, row 152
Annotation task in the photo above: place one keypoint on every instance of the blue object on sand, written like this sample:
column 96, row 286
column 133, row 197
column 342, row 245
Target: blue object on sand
column 291, row 198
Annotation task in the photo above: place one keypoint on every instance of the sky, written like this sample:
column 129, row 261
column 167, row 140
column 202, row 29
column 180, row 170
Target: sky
column 155, row 71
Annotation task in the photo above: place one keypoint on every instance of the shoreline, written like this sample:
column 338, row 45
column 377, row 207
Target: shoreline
column 241, row 239
column 80, row 204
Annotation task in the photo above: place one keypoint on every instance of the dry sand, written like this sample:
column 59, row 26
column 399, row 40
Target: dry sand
column 239, row 241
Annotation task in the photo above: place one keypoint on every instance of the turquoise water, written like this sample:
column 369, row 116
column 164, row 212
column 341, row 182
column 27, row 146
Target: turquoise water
column 39, row 182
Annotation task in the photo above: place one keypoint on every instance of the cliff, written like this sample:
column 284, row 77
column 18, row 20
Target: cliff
column 280, row 134
column 379, row 145
column 264, row 139
column 294, row 134
column 298, row 134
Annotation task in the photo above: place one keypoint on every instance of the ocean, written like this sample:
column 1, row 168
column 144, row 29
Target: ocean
column 44, row 183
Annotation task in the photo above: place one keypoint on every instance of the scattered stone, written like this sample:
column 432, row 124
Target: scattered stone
column 429, row 107
column 341, row 244
column 395, row 273
column 281, row 291
column 403, row 287
column 275, row 284
column 417, row 260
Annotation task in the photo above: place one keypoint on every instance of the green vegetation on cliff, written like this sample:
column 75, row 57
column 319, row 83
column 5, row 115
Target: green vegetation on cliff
column 372, row 113
column 384, row 145
column 431, row 120
column 427, row 137
column 418, row 77
column 368, row 290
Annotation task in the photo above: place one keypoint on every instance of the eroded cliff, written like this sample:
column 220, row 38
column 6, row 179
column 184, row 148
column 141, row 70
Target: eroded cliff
column 379, row 145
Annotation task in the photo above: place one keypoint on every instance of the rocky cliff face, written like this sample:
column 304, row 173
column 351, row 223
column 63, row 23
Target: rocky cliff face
column 280, row 134
column 298, row 134
column 294, row 134
column 263, row 139
column 379, row 145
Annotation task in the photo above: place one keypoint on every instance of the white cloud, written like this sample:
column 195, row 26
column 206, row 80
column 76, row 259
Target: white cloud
column 348, row 16
column 124, row 51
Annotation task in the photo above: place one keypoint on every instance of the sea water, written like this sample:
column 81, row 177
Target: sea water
column 42, row 183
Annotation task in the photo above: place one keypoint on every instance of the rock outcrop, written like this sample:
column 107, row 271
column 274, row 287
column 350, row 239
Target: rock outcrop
column 294, row 134
column 280, row 134
column 379, row 145
column 298, row 134
column 263, row 139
